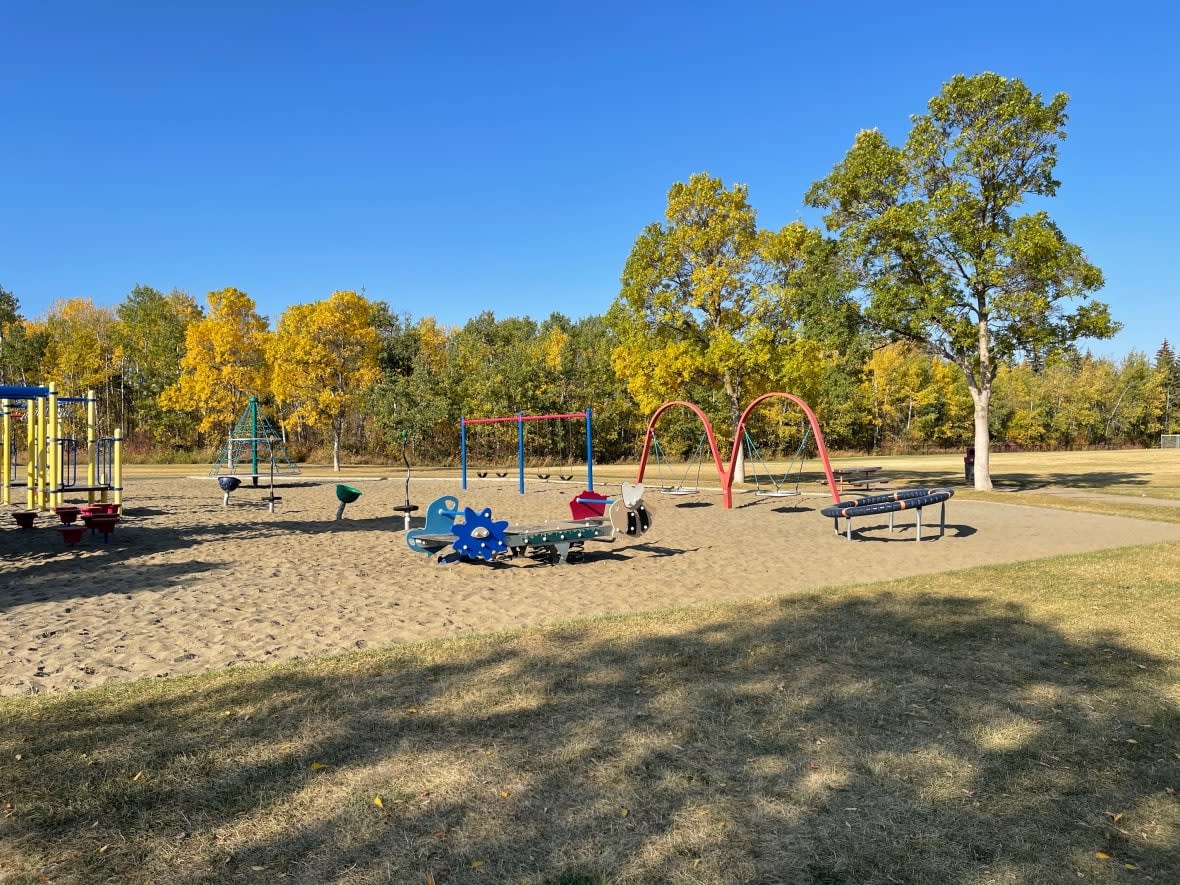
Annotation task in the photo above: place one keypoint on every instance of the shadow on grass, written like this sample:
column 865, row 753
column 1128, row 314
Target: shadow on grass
column 871, row 740
column 1102, row 479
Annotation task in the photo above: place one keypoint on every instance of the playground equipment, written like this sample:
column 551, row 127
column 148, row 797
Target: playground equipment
column 520, row 420
column 253, row 443
column 725, row 475
column 475, row 536
column 776, row 488
column 345, row 495
column 51, row 468
column 228, row 484
column 407, row 508
column 894, row 502
column 664, row 466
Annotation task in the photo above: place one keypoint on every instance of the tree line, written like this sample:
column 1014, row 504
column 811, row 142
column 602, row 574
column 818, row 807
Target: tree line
column 348, row 376
column 930, row 312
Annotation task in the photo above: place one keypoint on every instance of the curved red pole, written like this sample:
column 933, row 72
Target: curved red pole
column 651, row 430
column 819, row 444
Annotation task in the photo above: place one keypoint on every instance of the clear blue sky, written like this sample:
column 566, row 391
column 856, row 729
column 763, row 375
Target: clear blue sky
column 452, row 157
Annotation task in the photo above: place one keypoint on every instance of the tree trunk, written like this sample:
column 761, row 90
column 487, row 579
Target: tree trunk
column 981, row 393
column 336, row 446
column 981, row 396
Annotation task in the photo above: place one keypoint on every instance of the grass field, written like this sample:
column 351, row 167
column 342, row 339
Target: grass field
column 993, row 725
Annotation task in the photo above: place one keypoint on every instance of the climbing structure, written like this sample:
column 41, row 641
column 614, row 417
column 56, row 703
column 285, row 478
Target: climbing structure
column 255, row 448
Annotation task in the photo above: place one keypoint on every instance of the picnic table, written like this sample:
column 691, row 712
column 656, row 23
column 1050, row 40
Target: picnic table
column 862, row 478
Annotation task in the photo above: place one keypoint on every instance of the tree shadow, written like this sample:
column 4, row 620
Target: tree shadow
column 1104, row 479
column 877, row 739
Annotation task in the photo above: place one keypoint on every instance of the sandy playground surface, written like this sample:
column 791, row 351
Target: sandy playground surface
column 186, row 585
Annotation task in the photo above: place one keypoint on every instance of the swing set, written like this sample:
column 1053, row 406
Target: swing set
column 777, row 488
column 519, row 419
column 664, row 467
column 725, row 474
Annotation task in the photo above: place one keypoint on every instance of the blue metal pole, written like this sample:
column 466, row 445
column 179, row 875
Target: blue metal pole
column 589, row 454
column 520, row 446
column 463, row 451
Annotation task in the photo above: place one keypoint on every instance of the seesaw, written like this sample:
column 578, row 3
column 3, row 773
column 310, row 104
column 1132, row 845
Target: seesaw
column 894, row 502
column 475, row 536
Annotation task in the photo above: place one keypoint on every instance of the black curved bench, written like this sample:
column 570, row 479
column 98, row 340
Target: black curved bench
column 891, row 503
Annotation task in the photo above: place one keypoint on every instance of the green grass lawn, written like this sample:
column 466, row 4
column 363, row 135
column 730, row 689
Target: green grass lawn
column 994, row 725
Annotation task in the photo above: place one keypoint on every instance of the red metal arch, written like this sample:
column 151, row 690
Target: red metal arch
column 651, row 432
column 820, row 445
column 725, row 475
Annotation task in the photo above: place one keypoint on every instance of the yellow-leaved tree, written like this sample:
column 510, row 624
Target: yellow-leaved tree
column 78, row 355
column 224, row 362
column 324, row 360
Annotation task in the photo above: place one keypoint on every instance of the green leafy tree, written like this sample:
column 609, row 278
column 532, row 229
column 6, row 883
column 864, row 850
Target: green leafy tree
column 149, row 340
column 1167, row 367
column 409, row 401
column 945, row 260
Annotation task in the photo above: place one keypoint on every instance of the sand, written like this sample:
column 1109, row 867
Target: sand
column 185, row 584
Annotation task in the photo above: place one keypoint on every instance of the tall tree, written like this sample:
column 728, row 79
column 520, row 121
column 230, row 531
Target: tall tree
column 224, row 362
column 150, row 343
column 324, row 361
column 80, row 353
column 693, row 299
column 409, row 402
column 1167, row 366
column 22, row 344
column 945, row 260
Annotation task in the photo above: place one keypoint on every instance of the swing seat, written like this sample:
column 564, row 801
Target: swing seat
column 680, row 490
column 776, row 493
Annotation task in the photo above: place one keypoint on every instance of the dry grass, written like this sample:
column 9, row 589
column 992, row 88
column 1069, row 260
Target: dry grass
column 1007, row 724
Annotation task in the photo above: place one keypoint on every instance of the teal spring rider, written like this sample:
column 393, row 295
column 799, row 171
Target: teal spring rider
column 346, row 495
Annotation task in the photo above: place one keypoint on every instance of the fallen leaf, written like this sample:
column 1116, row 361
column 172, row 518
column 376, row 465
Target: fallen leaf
column 411, row 710
column 624, row 811
column 104, row 849
column 477, row 864
column 430, row 879
column 1132, row 741
column 138, row 775
column 256, row 868
column 1102, row 855
column 377, row 801
column 18, row 757
column 316, row 766
column 1130, row 866
column 504, row 794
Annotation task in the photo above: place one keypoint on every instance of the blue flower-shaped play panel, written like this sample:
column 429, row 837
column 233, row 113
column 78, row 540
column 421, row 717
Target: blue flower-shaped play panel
column 479, row 536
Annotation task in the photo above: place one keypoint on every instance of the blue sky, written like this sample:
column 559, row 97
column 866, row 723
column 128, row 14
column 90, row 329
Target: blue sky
column 453, row 157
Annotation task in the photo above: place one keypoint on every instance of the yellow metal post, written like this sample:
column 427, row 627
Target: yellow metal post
column 42, row 455
column 32, row 415
column 53, row 486
column 117, row 471
column 92, row 446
